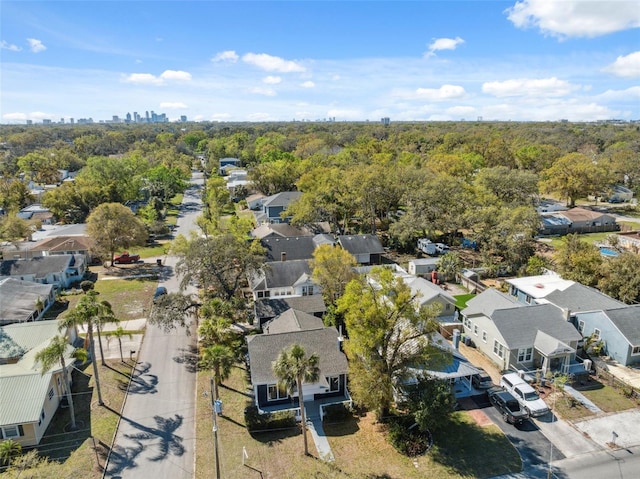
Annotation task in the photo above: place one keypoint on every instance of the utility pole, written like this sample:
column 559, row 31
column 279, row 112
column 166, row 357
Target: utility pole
column 215, row 432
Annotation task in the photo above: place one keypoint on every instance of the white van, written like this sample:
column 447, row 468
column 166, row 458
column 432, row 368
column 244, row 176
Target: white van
column 525, row 394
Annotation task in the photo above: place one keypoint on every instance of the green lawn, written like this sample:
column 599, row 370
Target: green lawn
column 606, row 397
column 462, row 299
column 359, row 445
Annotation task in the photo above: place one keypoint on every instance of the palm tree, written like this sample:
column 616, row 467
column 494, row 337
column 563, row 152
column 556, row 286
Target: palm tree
column 220, row 358
column 89, row 311
column 105, row 315
column 8, row 450
column 292, row 368
column 118, row 333
column 53, row 355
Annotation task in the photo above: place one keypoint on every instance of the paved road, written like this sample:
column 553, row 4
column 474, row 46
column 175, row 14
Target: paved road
column 156, row 435
column 623, row 463
column 532, row 445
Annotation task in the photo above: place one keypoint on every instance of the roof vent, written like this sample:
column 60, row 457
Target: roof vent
column 539, row 285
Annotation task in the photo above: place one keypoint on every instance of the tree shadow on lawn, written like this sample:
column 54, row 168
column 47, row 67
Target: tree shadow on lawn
column 275, row 436
column 341, row 427
column 472, row 451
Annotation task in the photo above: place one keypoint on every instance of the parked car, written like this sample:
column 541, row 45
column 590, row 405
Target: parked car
column 441, row 248
column 126, row 258
column 426, row 246
column 508, row 406
column 525, row 394
column 160, row 291
column 482, row 380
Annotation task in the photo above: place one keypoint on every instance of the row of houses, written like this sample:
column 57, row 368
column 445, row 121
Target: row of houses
column 542, row 321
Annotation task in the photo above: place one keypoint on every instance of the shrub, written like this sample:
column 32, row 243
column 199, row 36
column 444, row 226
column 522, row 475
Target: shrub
column 405, row 436
column 263, row 422
column 337, row 413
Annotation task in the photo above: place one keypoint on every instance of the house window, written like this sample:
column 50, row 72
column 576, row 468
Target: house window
column 525, row 355
column 498, row 349
column 9, row 432
column 475, row 329
column 484, row 336
column 580, row 325
column 469, row 324
column 596, row 333
column 51, row 394
column 41, row 418
column 334, row 383
column 447, row 307
column 635, row 350
column 274, row 392
column 528, row 299
column 307, row 290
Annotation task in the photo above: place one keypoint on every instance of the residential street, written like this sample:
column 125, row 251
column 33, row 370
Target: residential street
column 156, row 434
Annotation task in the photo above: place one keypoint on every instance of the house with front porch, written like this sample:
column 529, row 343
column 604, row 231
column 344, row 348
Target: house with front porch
column 263, row 351
column 29, row 397
column 519, row 337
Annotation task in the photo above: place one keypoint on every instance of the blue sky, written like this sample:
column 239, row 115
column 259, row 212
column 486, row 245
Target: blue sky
column 521, row 60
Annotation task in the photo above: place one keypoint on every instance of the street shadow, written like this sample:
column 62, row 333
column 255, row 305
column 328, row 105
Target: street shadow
column 188, row 357
column 123, row 458
column 141, row 381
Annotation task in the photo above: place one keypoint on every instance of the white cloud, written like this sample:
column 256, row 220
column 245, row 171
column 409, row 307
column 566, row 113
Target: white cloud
column 173, row 105
column 272, row 64
column 621, row 95
column 4, row 45
column 221, row 116
column 176, row 75
column 226, row 56
column 530, row 87
column 143, row 79
column 575, row 18
column 271, row 80
column 258, row 116
column 445, row 92
column 462, row 111
column 263, row 91
column 150, row 79
column 626, row 66
column 15, row 116
column 308, row 84
column 34, row 115
column 345, row 114
column 443, row 44
column 36, row 45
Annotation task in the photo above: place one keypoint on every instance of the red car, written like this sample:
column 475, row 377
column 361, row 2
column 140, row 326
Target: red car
column 126, row 258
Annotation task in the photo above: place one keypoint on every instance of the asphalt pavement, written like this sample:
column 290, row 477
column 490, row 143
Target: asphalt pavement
column 156, row 432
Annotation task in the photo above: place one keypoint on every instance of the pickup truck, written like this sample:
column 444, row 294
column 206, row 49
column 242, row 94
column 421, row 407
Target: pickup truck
column 126, row 258
column 508, row 406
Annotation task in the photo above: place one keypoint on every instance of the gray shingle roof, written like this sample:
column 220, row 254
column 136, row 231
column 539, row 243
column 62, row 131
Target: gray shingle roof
column 519, row 326
column 272, row 307
column 578, row 298
column 280, row 274
column 361, row 244
column 298, row 247
column 18, row 298
column 627, row 320
column 292, row 320
column 277, row 229
column 40, row 266
column 265, row 348
column 488, row 301
column 282, row 199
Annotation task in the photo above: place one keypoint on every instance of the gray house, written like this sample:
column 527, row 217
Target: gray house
column 58, row 270
column 366, row 249
column 283, row 279
column 516, row 336
column 274, row 205
column 268, row 308
column 618, row 329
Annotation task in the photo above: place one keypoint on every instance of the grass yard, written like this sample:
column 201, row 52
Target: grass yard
column 606, row 397
column 129, row 298
column 462, row 299
column 359, row 446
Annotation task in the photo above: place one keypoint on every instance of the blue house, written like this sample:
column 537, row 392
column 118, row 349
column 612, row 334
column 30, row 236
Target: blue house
column 274, row 205
column 618, row 329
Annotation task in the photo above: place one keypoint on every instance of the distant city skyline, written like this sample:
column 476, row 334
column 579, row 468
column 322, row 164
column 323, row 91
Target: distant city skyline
column 499, row 60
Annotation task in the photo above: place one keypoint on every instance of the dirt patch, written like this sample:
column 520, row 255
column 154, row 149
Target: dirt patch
column 476, row 414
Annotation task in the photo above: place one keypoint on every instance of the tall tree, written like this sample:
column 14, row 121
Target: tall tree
column 113, row 226
column 220, row 359
column 388, row 334
column 293, row 368
column 332, row 269
column 56, row 353
column 89, row 312
column 621, row 278
column 579, row 261
column 119, row 333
